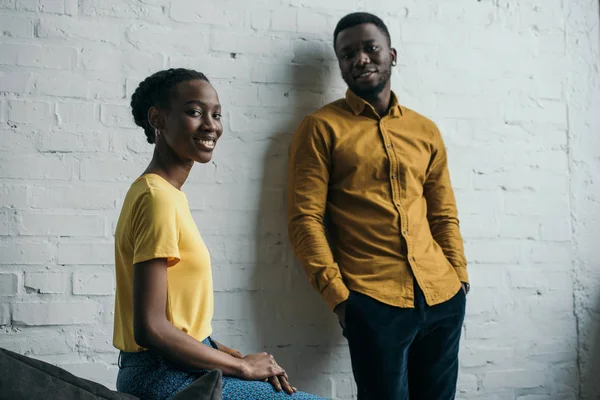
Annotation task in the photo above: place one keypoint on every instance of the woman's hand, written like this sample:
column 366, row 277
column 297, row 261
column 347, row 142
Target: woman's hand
column 260, row 367
column 282, row 383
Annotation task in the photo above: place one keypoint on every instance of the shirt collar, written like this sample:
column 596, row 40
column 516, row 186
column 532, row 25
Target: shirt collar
column 358, row 105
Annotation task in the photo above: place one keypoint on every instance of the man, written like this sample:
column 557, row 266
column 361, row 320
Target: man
column 390, row 259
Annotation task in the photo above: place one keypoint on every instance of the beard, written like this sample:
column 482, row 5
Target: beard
column 374, row 89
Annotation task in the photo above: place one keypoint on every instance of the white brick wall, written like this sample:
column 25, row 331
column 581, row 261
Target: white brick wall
column 513, row 84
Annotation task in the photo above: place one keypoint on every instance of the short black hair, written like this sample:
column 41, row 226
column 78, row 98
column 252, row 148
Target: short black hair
column 155, row 91
column 359, row 18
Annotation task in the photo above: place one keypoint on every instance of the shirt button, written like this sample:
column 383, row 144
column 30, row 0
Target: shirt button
column 405, row 232
column 412, row 259
column 394, row 176
column 389, row 146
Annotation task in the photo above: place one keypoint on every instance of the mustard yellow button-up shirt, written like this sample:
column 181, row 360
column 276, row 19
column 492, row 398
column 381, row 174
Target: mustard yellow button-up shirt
column 371, row 207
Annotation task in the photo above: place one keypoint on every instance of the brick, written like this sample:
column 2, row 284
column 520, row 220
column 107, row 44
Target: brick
column 14, row 196
column 108, row 170
column 106, row 58
column 6, row 223
column 556, row 230
column 284, row 19
column 232, row 41
column 522, row 227
column 121, row 9
column 16, row 81
column 14, row 26
column 117, row 116
column 7, row 4
column 25, row 253
column 197, row 12
column 243, row 95
column 493, row 251
column 439, row 34
column 12, row 140
column 39, row 342
column 549, row 252
column 519, row 179
column 85, row 197
column 47, row 282
column 539, row 277
column 545, row 111
column 165, row 39
column 59, row 141
column 76, row 115
column 73, row 85
column 45, row 6
column 517, row 378
column 62, row 84
column 278, row 73
column 453, row 106
column 479, row 202
column 57, row 57
column 467, row 383
column 21, row 111
column 5, row 316
column 478, row 226
column 37, row 314
column 345, row 5
column 214, row 67
column 314, row 22
column 9, row 284
column 62, row 27
column 61, row 225
column 38, row 167
column 536, row 205
column 85, row 253
column 93, row 283
column 477, row 356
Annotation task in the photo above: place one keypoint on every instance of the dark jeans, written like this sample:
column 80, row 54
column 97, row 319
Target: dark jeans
column 401, row 353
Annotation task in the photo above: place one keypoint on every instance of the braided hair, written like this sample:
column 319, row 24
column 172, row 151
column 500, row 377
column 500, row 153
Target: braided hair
column 154, row 91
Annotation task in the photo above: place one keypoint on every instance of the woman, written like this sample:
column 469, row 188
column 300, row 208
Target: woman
column 164, row 299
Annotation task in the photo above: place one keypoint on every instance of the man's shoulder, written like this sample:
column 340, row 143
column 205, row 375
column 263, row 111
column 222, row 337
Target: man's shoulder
column 409, row 113
column 328, row 112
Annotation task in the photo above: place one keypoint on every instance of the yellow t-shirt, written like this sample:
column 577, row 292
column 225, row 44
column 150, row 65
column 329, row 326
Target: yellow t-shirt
column 156, row 222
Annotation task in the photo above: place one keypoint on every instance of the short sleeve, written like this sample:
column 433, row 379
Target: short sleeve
column 155, row 227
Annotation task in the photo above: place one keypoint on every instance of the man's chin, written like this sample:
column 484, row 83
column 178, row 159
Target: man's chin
column 367, row 91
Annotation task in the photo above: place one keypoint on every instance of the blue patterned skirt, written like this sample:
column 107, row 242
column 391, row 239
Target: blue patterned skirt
column 149, row 376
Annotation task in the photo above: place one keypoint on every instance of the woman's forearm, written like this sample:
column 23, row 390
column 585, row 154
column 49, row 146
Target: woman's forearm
column 182, row 349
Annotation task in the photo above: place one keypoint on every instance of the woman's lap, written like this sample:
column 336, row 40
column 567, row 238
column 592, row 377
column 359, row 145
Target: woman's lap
column 238, row 389
column 150, row 377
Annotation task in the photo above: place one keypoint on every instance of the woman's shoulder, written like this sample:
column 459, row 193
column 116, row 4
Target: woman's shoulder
column 152, row 189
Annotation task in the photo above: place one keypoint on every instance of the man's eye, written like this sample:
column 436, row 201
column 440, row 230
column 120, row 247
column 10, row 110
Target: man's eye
column 217, row 116
column 373, row 48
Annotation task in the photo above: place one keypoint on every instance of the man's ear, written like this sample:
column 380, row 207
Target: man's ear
column 155, row 118
column 394, row 56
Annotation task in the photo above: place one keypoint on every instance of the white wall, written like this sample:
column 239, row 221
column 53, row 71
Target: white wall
column 512, row 83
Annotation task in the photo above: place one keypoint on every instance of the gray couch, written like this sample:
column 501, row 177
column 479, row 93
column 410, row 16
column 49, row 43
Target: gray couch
column 25, row 378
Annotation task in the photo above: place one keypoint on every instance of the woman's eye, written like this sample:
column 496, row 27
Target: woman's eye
column 195, row 113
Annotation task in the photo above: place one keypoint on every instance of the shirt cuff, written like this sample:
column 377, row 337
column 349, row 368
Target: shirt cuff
column 463, row 276
column 335, row 293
